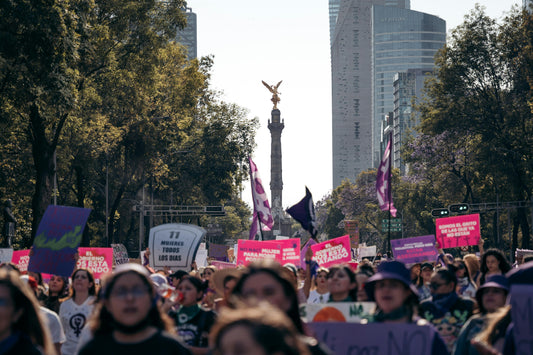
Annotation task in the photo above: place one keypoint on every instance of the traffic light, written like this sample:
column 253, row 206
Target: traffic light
column 459, row 208
column 440, row 212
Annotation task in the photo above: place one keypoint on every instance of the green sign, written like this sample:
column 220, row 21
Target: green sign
column 395, row 225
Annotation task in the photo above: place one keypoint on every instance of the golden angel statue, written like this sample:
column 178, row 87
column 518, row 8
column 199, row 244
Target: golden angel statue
column 274, row 90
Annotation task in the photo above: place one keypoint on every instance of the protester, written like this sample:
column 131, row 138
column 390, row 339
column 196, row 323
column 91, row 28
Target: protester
column 225, row 281
column 342, row 284
column 57, row 290
column 266, row 280
column 176, row 277
column 491, row 296
column 319, row 293
column 424, row 292
column 259, row 330
column 465, row 286
column 21, row 328
column 361, row 277
column 75, row 310
column 193, row 323
column 493, row 262
column 473, row 266
column 446, row 310
column 397, row 299
column 127, row 320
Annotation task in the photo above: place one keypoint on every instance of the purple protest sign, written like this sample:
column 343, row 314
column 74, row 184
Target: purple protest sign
column 57, row 240
column 218, row 251
column 414, row 250
column 374, row 338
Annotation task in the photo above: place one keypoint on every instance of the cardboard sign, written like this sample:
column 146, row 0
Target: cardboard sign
column 98, row 260
column 336, row 311
column 331, row 252
column 21, row 258
column 522, row 315
column 414, row 250
column 458, row 231
column 6, row 254
column 57, row 240
column 120, row 254
column 374, row 338
column 174, row 245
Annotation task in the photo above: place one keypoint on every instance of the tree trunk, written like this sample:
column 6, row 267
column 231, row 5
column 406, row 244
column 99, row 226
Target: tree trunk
column 43, row 159
column 524, row 225
column 514, row 244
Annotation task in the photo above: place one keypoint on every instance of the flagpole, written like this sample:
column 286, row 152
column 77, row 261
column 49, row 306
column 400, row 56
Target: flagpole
column 260, row 229
column 389, row 191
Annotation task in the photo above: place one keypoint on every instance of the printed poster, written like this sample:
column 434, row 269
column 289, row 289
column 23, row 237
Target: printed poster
column 333, row 251
column 458, row 231
column 414, row 250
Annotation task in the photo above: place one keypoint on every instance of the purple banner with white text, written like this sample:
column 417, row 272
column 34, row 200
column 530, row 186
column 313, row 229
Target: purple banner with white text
column 414, row 250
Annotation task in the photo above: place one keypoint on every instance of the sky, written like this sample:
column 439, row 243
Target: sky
column 288, row 40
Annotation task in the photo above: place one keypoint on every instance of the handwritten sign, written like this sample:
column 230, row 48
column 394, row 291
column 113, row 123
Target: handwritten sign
column 458, row 231
column 57, row 240
column 336, row 311
column 98, row 260
column 331, row 252
column 414, row 250
column 174, row 245
column 6, row 254
column 120, row 254
column 374, row 338
column 21, row 258
column 522, row 314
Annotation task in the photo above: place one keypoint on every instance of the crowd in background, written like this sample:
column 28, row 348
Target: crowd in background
column 463, row 302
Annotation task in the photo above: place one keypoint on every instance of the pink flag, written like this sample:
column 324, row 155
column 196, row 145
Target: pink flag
column 262, row 212
column 383, row 182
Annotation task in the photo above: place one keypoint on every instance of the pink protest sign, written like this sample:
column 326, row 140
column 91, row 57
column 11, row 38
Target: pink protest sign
column 334, row 251
column 222, row 265
column 21, row 258
column 250, row 250
column 98, row 260
column 290, row 251
column 458, row 231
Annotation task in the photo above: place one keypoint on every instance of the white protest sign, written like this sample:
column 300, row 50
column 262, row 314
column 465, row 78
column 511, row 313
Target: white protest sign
column 350, row 312
column 174, row 245
column 5, row 255
column 201, row 258
column 120, row 254
column 367, row 251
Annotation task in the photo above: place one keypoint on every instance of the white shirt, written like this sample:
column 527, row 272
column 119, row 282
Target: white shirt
column 54, row 325
column 315, row 297
column 73, row 318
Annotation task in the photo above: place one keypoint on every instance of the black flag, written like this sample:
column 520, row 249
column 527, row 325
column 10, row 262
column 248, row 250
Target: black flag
column 304, row 212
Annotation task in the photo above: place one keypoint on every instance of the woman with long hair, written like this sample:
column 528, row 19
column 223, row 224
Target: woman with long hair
column 266, row 280
column 473, row 265
column 76, row 309
column 493, row 262
column 57, row 290
column 446, row 310
column 127, row 319
column 342, row 284
column 397, row 299
column 259, row 330
column 465, row 286
column 21, row 329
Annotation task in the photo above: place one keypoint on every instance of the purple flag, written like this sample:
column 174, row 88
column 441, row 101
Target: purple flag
column 262, row 212
column 383, row 182
column 304, row 212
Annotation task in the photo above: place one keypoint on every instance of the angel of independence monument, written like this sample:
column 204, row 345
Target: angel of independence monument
column 282, row 224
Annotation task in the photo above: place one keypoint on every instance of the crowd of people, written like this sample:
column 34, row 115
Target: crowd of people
column 463, row 303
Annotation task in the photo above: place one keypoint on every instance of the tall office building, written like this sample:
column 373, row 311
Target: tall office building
column 373, row 40
column 188, row 36
column 407, row 90
column 333, row 13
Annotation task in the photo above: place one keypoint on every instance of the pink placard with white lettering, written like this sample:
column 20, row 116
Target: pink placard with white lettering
column 98, row 260
column 21, row 258
column 250, row 250
column 458, row 231
column 331, row 252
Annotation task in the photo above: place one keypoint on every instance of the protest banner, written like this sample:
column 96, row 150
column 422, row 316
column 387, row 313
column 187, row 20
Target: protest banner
column 98, row 260
column 290, row 251
column 174, row 245
column 331, row 252
column 57, row 239
column 218, row 251
column 21, row 258
column 367, row 252
column 414, row 250
column 349, row 312
column 201, row 258
column 250, row 250
column 120, row 254
column 458, row 231
column 222, row 265
column 6, row 254
column 374, row 338
column 522, row 314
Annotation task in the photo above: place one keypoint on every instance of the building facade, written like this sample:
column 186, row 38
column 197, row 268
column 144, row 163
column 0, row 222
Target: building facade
column 188, row 35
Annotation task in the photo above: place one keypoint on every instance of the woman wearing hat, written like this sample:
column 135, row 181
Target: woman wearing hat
column 397, row 299
column 127, row 319
column 490, row 297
